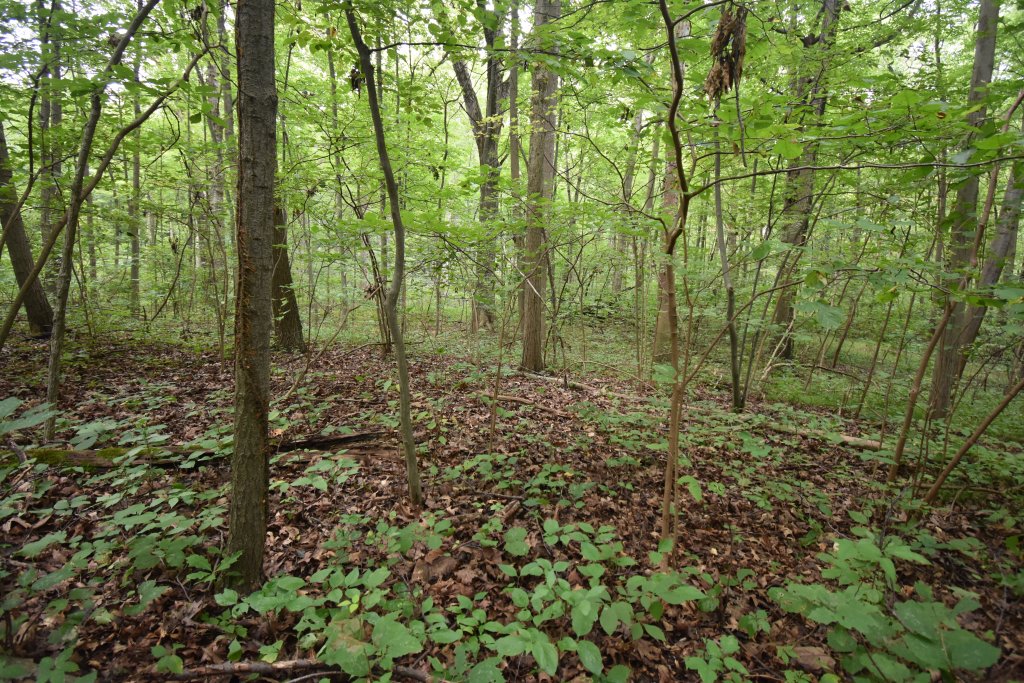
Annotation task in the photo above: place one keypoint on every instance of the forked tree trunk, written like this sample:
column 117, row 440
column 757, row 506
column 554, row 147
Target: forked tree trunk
column 540, row 181
column 254, row 237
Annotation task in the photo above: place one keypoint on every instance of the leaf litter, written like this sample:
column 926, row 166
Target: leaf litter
column 757, row 509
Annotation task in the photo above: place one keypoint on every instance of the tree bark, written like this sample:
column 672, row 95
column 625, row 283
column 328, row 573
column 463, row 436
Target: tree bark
column 77, row 193
column 254, row 237
column 50, row 116
column 667, row 318
column 487, row 124
column 37, row 307
column 1000, row 252
column 391, row 307
column 799, row 189
column 287, row 323
column 135, row 203
column 540, row 180
column 963, row 217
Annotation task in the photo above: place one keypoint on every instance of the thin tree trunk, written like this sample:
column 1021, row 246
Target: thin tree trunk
column 257, row 162
column 134, row 204
column 1000, row 252
column 730, row 293
column 53, row 375
column 405, row 393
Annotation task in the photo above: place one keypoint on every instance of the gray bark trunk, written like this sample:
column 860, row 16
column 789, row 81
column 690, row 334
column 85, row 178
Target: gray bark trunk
column 540, row 180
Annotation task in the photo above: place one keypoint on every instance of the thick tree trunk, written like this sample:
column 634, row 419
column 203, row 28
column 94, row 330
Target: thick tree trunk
column 37, row 307
column 799, row 190
column 964, row 218
column 540, row 180
column 1000, row 252
column 287, row 323
column 257, row 162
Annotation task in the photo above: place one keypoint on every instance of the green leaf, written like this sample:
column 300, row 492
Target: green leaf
column 510, row 646
column 761, row 250
column 590, row 656
column 394, row 639
column 226, row 598
column 486, row 671
column 967, row 651
column 33, row 549
column 290, row 583
column 788, row 149
column 545, row 653
column 583, row 615
column 515, row 542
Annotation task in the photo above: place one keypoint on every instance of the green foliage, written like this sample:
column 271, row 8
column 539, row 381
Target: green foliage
column 877, row 636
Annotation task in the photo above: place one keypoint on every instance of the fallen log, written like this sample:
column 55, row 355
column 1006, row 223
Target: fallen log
column 104, row 458
column 524, row 402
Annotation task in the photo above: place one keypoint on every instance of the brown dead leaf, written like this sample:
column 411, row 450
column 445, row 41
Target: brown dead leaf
column 812, row 658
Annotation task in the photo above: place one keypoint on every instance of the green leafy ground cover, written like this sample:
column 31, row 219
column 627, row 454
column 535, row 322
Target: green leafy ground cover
column 537, row 557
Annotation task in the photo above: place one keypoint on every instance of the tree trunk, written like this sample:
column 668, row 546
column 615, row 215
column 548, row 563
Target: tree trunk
column 799, row 191
column 77, row 194
column 405, row 393
column 257, row 164
column 487, row 124
column 963, row 217
column 37, row 307
column 287, row 323
column 1000, row 252
column 50, row 116
column 667, row 317
column 540, row 179
column 134, row 204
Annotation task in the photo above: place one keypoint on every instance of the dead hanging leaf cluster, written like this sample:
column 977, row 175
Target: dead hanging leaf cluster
column 728, row 47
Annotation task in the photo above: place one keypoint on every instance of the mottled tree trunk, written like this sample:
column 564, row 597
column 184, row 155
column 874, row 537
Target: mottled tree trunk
column 487, row 124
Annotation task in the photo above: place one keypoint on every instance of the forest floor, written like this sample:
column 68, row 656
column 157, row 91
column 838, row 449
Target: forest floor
column 114, row 570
